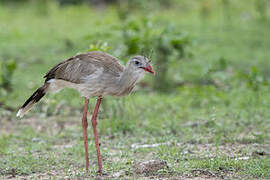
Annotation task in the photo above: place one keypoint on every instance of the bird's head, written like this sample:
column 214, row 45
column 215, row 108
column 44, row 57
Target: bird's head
column 140, row 64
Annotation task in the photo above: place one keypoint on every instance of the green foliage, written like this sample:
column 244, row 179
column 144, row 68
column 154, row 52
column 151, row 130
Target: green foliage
column 262, row 6
column 99, row 46
column 71, row 2
column 6, row 74
column 254, row 79
column 144, row 35
column 7, row 69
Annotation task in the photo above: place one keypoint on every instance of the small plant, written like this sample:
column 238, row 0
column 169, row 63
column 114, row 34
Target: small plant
column 6, row 72
column 253, row 79
column 7, row 69
column 99, row 46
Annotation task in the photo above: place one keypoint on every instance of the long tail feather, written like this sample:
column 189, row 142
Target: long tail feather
column 36, row 96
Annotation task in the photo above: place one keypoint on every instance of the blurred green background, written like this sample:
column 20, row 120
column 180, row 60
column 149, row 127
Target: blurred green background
column 211, row 85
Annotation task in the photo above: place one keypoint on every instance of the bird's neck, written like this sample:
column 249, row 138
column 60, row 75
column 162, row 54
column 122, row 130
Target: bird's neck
column 128, row 78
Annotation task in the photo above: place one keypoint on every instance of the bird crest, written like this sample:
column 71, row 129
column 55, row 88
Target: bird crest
column 145, row 55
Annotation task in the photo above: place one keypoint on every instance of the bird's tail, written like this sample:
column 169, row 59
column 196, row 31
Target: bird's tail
column 36, row 96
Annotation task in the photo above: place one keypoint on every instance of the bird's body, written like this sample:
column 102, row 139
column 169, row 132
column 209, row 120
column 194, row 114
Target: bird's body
column 91, row 74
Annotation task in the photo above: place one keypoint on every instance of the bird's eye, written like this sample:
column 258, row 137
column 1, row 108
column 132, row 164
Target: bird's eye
column 137, row 62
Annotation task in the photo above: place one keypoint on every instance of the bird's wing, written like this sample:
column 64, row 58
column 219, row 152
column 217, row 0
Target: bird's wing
column 77, row 68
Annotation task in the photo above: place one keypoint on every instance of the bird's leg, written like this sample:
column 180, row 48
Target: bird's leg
column 94, row 124
column 85, row 125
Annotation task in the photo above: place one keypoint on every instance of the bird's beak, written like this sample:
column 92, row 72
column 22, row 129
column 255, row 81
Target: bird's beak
column 149, row 69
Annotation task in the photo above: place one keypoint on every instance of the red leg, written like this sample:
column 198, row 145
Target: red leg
column 94, row 124
column 85, row 125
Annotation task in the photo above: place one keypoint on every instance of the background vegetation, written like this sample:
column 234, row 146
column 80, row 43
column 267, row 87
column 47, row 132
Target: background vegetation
column 205, row 113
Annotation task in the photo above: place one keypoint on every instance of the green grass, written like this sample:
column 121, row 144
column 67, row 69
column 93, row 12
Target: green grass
column 215, row 125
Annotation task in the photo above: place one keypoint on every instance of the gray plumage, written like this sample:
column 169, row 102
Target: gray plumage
column 92, row 74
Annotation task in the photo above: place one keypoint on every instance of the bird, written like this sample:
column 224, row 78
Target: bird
column 92, row 74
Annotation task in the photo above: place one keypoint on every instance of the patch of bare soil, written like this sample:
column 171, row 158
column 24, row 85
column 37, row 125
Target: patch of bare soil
column 150, row 167
column 207, row 174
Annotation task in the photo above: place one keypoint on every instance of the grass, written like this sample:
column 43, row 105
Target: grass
column 216, row 125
